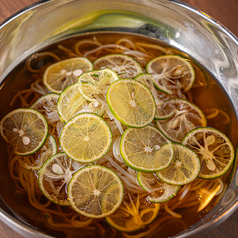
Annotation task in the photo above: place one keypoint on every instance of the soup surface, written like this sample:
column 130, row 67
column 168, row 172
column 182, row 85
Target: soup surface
column 163, row 122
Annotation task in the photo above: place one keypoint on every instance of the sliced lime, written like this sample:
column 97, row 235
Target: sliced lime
column 124, row 65
column 60, row 75
column 25, row 129
column 184, row 168
column 47, row 106
column 146, row 149
column 171, row 73
column 54, row 176
column 70, row 102
column 214, row 149
column 159, row 191
column 131, row 102
column 86, row 137
column 95, row 191
column 183, row 116
column 96, row 82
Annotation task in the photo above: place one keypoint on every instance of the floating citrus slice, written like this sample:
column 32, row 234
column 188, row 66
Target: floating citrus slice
column 171, row 73
column 124, row 65
column 131, row 102
column 96, row 82
column 159, row 191
column 47, row 106
column 183, row 116
column 25, row 129
column 54, row 176
column 35, row 161
column 60, row 75
column 134, row 213
column 214, row 149
column 95, row 191
column 86, row 137
column 146, row 149
column 184, row 168
column 70, row 102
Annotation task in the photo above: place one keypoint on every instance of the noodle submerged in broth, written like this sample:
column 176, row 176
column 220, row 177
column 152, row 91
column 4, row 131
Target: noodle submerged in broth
column 149, row 205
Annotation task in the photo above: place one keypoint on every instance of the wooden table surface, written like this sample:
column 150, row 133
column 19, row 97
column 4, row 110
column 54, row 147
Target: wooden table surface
column 226, row 12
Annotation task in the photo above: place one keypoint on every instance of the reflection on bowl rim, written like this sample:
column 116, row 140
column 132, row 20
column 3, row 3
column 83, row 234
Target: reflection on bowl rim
column 22, row 228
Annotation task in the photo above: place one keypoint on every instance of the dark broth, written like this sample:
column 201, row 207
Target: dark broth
column 211, row 96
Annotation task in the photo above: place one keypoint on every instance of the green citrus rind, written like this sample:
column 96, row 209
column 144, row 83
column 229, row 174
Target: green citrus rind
column 25, row 129
column 215, row 163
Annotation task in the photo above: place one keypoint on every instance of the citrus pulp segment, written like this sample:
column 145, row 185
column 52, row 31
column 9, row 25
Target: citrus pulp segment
column 171, row 73
column 159, row 191
column 184, row 168
column 25, row 129
column 86, row 137
column 60, row 75
column 35, row 161
column 95, row 191
column 96, row 82
column 47, row 106
column 131, row 102
column 146, row 149
column 214, row 149
column 70, row 102
column 183, row 116
column 134, row 213
column 124, row 65
column 54, row 176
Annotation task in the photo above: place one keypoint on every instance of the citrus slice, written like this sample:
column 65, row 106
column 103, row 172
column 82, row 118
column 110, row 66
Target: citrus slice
column 184, row 168
column 70, row 102
column 95, row 191
column 96, row 82
column 124, row 65
column 54, row 176
column 214, row 149
column 134, row 213
column 146, row 149
column 47, row 106
column 183, row 116
column 131, row 102
column 86, row 137
column 60, row 75
column 147, row 80
column 159, row 191
column 171, row 73
column 25, row 129
column 35, row 161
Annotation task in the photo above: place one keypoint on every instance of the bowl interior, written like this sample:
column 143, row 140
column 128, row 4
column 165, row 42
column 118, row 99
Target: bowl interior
column 169, row 22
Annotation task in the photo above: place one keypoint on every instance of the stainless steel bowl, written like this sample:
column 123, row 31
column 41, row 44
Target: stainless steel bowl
column 172, row 22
